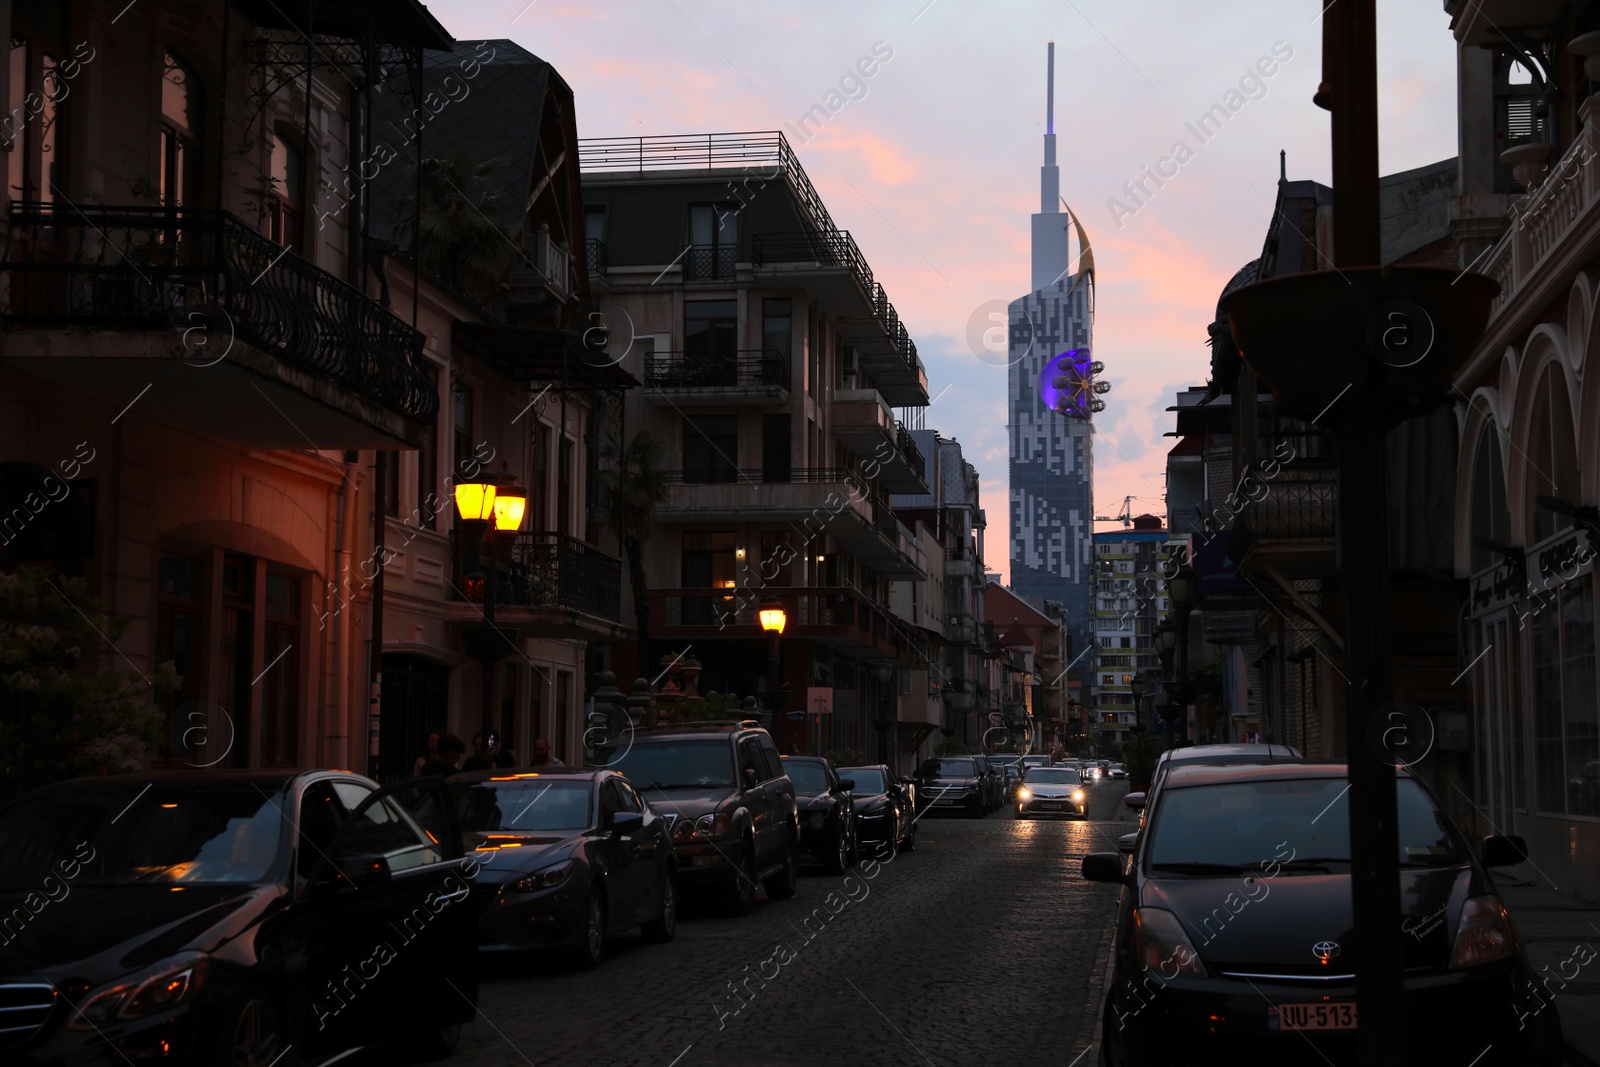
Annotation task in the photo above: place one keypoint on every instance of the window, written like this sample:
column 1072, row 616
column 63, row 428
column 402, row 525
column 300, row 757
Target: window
column 708, row 562
column 564, row 456
column 461, row 394
column 594, row 223
column 1554, row 457
column 710, row 341
column 713, row 240
column 280, row 673
column 775, row 448
column 539, row 481
column 428, row 466
column 751, row 758
column 286, row 204
column 33, row 129
column 711, row 449
column 777, row 337
column 178, row 640
column 179, row 178
column 563, row 714
column 391, row 483
column 1566, row 728
column 769, row 751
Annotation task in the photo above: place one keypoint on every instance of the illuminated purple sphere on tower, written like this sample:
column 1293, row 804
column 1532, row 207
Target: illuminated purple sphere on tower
column 1067, row 385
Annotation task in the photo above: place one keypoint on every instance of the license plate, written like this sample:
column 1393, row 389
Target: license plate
column 1053, row 805
column 949, row 800
column 1327, row 1016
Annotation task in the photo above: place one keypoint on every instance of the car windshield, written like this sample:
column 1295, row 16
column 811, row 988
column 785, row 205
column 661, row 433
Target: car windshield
column 809, row 778
column 867, row 780
column 673, row 765
column 525, row 804
column 1050, row 776
column 1301, row 820
column 949, row 768
column 144, row 834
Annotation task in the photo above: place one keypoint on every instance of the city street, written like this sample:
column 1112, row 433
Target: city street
column 983, row 944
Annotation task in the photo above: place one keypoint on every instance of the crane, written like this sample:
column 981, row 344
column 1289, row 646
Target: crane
column 1125, row 516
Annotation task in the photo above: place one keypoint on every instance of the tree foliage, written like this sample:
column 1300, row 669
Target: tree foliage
column 632, row 487
column 70, row 703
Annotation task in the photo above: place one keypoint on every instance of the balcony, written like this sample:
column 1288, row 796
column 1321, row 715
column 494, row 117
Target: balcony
column 550, row 585
column 547, row 284
column 594, row 251
column 863, row 423
column 960, row 629
column 827, row 264
column 838, row 617
column 1291, row 530
column 212, row 326
column 683, row 380
column 704, row 263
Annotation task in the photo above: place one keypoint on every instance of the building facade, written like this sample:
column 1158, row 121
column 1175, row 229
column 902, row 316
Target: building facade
column 1130, row 602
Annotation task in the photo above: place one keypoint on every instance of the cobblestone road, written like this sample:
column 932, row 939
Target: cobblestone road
column 983, row 945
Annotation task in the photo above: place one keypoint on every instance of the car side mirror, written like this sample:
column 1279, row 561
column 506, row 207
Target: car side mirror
column 353, row 870
column 749, row 777
column 1103, row 867
column 1504, row 850
column 847, row 784
column 626, row 822
column 1134, row 800
column 1126, row 842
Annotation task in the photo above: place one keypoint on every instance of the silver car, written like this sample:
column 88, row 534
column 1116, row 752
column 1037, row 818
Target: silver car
column 1056, row 791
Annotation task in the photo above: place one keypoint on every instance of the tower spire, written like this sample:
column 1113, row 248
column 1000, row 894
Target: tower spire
column 1049, row 174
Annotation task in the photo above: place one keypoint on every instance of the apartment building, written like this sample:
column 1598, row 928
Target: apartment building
column 1130, row 602
column 780, row 383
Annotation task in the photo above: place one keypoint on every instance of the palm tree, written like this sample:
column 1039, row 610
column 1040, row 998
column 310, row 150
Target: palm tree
column 633, row 486
column 456, row 237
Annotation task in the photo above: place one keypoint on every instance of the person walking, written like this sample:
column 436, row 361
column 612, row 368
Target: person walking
column 430, row 751
column 450, row 752
column 541, row 755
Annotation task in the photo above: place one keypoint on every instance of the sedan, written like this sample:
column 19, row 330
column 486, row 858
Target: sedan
column 827, row 812
column 229, row 917
column 568, row 858
column 1117, row 771
column 885, row 809
column 1050, row 791
column 1235, row 931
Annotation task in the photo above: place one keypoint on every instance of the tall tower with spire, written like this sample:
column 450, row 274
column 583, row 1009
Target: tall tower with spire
column 1052, row 452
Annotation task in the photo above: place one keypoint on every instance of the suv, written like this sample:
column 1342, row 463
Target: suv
column 722, row 788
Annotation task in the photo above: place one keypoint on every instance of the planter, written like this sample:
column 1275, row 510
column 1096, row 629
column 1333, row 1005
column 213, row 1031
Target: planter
column 1527, row 163
column 1587, row 45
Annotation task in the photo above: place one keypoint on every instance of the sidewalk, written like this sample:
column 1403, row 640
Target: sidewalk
column 1553, row 926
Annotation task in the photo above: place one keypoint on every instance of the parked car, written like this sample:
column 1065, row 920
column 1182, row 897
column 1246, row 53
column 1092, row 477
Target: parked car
column 732, row 810
column 568, row 858
column 1040, row 759
column 1010, row 766
column 886, row 809
column 827, row 812
column 215, row 917
column 948, row 783
column 1116, row 770
column 1270, row 974
column 1051, row 791
column 993, row 783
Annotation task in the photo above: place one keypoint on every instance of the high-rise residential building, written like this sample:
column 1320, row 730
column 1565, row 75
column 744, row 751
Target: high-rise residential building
column 1130, row 602
column 1052, row 462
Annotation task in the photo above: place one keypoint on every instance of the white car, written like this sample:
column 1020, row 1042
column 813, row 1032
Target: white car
column 1051, row 791
column 1117, row 771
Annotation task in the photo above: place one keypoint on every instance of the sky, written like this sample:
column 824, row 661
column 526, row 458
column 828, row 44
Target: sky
column 932, row 163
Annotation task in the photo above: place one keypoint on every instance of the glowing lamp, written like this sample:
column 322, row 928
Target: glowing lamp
column 510, row 504
column 773, row 617
column 475, row 498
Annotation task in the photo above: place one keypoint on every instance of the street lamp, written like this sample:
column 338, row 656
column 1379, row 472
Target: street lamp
column 773, row 620
column 488, row 505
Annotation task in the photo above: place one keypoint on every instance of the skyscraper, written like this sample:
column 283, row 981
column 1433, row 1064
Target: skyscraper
column 1052, row 461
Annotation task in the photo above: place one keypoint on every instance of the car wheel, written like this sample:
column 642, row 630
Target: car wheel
column 253, row 1033
column 839, row 859
column 665, row 924
column 435, row 1043
column 910, row 842
column 741, row 895
column 591, row 951
column 783, row 885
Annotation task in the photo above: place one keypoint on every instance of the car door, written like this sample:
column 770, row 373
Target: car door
column 781, row 794
column 627, row 873
column 758, row 798
column 394, row 895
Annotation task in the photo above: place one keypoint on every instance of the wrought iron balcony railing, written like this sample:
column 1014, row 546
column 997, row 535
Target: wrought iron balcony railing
column 721, row 475
column 829, row 248
column 720, row 370
column 909, row 449
column 594, row 251
column 1300, row 503
column 544, row 570
column 153, row 268
column 702, row 262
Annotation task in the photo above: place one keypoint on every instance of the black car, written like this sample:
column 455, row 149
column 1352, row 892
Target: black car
column 886, row 814
column 1010, row 767
column 568, row 857
column 731, row 808
column 1234, row 929
column 227, row 917
column 952, row 783
column 827, row 816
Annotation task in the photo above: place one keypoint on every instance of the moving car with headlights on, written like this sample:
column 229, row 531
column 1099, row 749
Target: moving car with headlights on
column 1234, row 929
column 886, row 815
column 827, row 814
column 216, row 917
column 730, row 806
column 568, row 857
column 1050, row 791
column 952, row 783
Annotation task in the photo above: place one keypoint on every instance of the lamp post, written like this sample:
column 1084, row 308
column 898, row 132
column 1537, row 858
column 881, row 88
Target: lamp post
column 773, row 620
column 487, row 505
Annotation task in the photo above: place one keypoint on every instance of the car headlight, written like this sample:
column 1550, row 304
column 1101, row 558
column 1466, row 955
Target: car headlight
column 554, row 874
column 142, row 994
column 1024, row 793
column 877, row 811
column 711, row 825
column 1077, row 794
column 1484, row 935
column 1161, row 945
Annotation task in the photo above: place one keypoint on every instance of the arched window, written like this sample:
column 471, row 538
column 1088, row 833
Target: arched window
column 1552, row 456
column 1491, row 515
